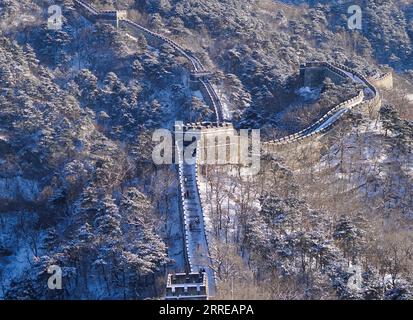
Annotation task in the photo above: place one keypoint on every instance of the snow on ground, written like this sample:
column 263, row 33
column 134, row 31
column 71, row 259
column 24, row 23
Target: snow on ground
column 410, row 97
column 16, row 247
column 365, row 155
column 198, row 94
column 78, row 64
column 232, row 195
column 370, row 130
column 4, row 137
column 10, row 187
column 309, row 94
column 13, row 266
column 367, row 91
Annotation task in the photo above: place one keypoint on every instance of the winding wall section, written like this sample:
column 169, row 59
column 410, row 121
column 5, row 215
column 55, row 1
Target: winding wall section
column 196, row 238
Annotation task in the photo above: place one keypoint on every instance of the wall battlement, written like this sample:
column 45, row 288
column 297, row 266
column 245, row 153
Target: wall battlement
column 119, row 19
column 187, row 286
column 370, row 100
column 197, row 255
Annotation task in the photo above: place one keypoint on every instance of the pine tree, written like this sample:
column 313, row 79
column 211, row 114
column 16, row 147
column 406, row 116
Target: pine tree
column 348, row 237
column 107, row 220
column 87, row 83
column 30, row 57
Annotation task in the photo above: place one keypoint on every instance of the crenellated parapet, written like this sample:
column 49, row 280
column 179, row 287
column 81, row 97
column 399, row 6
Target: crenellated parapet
column 187, row 286
column 384, row 81
column 369, row 98
column 197, row 71
column 196, row 238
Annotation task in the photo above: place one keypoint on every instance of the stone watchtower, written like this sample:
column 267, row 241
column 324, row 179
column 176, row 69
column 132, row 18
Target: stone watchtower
column 93, row 14
column 187, row 286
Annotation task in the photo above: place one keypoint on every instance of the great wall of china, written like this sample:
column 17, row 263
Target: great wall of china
column 197, row 254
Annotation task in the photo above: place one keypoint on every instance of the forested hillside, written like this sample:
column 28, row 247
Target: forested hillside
column 78, row 187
